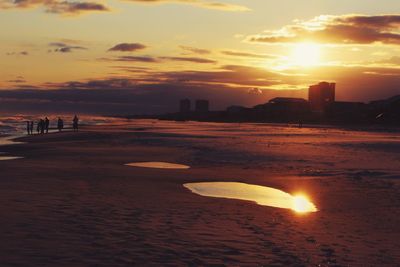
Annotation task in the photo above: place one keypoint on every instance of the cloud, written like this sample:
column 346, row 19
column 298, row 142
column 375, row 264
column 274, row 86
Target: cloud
column 150, row 59
column 345, row 29
column 199, row 3
column 125, row 96
column 395, row 60
column 127, row 47
column 191, row 59
column 144, row 59
column 64, row 48
column 66, row 7
column 154, row 91
column 18, row 80
column 195, row 50
column 22, row 53
column 255, row 91
column 56, row 7
column 132, row 69
column 246, row 54
column 231, row 75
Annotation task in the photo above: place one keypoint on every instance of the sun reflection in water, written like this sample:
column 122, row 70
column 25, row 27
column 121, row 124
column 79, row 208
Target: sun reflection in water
column 301, row 204
column 262, row 195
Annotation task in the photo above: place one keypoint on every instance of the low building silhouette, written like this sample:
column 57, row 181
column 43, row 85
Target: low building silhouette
column 386, row 110
column 321, row 108
column 285, row 109
column 185, row 106
column 202, row 106
column 346, row 112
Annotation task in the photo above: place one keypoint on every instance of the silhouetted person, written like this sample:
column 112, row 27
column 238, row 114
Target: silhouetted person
column 60, row 124
column 31, row 127
column 28, row 129
column 38, row 127
column 46, row 124
column 41, row 126
column 75, row 123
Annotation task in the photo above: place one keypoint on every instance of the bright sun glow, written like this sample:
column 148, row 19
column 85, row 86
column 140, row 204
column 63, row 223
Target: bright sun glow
column 301, row 204
column 306, row 54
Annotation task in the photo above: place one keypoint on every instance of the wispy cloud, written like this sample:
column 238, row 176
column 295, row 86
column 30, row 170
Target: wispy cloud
column 144, row 59
column 64, row 48
column 18, row 79
column 195, row 50
column 151, row 59
column 345, row 29
column 199, row 3
column 191, row 59
column 127, row 47
column 55, row 6
column 21, row 53
column 246, row 54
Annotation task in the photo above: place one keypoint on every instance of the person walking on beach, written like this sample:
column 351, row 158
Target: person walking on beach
column 60, row 124
column 75, row 122
column 46, row 124
column 38, row 127
column 41, row 126
column 28, row 125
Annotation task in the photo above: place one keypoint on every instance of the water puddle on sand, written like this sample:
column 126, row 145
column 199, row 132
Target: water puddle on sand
column 9, row 158
column 158, row 165
column 265, row 196
column 9, row 140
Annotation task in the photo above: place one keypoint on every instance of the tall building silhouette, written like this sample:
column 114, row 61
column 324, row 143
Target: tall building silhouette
column 202, row 105
column 184, row 106
column 321, row 95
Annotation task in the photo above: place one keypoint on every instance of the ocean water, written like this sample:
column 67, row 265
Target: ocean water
column 12, row 127
column 16, row 125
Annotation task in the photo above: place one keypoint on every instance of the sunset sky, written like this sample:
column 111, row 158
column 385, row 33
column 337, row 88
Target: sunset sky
column 109, row 54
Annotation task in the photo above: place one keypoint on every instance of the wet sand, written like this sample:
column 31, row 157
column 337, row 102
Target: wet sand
column 71, row 201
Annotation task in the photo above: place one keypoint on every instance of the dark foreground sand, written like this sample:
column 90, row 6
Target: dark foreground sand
column 72, row 202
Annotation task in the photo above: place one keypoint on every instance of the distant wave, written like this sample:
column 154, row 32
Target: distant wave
column 14, row 125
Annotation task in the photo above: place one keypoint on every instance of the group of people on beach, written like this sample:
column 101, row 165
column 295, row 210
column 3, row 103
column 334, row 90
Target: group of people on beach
column 43, row 125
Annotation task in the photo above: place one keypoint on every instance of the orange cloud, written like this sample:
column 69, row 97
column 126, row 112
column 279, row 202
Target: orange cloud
column 345, row 29
column 199, row 3
column 127, row 47
column 195, row 50
column 57, row 7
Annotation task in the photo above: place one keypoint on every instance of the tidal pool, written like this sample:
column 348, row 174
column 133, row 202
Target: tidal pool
column 265, row 196
column 9, row 140
column 158, row 165
column 9, row 158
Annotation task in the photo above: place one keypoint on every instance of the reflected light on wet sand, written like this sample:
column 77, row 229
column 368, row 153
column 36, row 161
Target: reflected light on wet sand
column 158, row 165
column 265, row 196
column 9, row 158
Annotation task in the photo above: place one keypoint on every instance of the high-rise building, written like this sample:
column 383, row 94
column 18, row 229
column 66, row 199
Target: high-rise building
column 202, row 105
column 321, row 96
column 184, row 106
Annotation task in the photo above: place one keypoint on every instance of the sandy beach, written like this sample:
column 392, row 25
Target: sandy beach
column 72, row 201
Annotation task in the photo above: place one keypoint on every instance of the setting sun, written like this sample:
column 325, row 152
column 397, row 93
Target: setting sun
column 306, row 54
